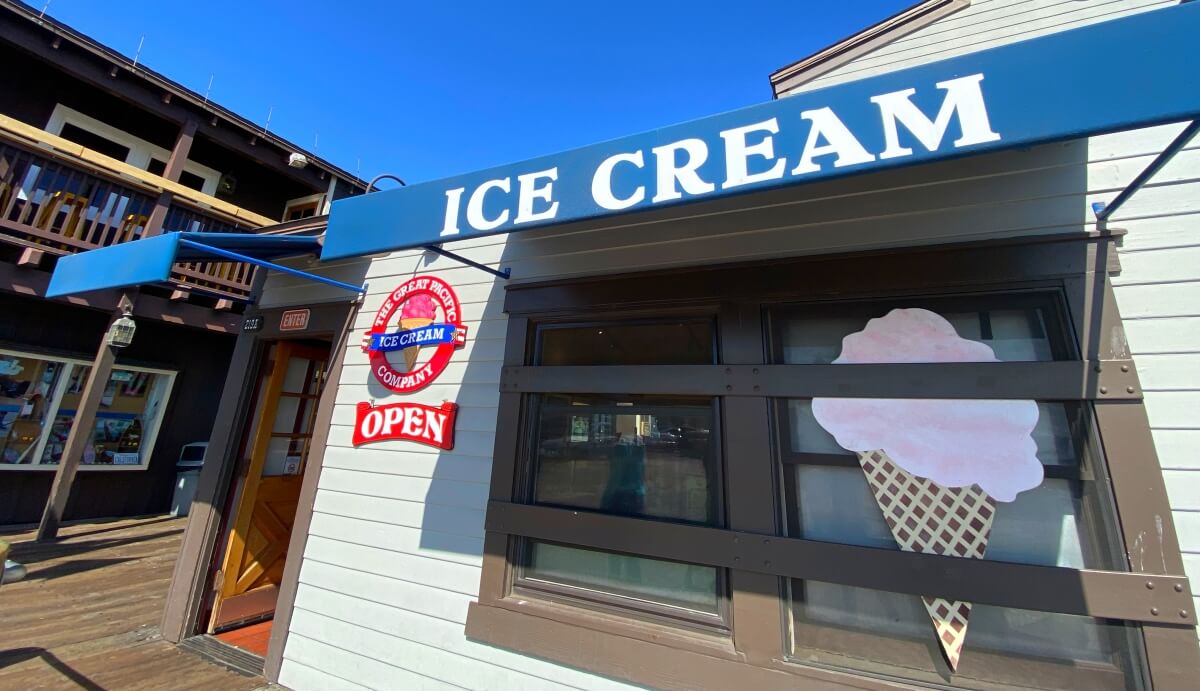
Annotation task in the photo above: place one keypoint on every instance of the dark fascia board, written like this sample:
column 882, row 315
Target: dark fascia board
column 314, row 225
column 916, row 17
column 170, row 86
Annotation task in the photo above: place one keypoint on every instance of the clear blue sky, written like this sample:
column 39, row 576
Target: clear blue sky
column 429, row 89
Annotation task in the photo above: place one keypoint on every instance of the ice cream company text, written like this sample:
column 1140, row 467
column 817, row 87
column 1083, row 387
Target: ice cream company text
column 429, row 315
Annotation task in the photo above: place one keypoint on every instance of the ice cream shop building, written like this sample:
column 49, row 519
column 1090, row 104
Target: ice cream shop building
column 893, row 380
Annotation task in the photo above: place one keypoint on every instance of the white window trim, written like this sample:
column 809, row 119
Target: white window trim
column 140, row 150
column 149, row 436
column 319, row 197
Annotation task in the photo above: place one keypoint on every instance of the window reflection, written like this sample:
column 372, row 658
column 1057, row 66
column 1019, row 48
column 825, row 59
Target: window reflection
column 1015, row 328
column 27, row 386
column 643, row 457
column 629, row 343
column 670, row 583
column 39, row 397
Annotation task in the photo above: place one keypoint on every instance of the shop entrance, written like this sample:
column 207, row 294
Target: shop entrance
column 275, row 448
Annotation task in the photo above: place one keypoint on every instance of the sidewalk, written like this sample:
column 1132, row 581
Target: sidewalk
column 87, row 614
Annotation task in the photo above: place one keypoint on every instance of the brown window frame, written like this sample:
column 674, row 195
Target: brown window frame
column 752, row 545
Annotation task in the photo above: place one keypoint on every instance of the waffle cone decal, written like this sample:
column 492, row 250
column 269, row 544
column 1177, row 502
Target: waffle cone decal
column 937, row 468
column 927, row 518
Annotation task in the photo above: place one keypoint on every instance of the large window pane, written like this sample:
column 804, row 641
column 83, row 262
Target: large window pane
column 604, row 575
column 1059, row 517
column 27, row 388
column 131, row 408
column 1058, row 523
column 639, row 456
column 629, row 343
column 888, row 633
column 1015, row 327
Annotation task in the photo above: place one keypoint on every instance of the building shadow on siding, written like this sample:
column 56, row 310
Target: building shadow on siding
column 456, row 499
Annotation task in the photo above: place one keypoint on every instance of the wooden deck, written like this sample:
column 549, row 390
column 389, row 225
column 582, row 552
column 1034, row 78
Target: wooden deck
column 87, row 614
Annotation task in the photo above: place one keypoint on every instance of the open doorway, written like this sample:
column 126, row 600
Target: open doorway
column 274, row 449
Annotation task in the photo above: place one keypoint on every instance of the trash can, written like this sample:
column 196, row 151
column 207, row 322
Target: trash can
column 187, row 474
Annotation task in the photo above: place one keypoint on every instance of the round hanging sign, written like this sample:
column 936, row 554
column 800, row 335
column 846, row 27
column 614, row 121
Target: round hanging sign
column 423, row 316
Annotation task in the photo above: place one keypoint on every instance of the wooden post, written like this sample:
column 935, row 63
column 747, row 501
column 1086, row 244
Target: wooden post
column 81, row 434
column 174, row 167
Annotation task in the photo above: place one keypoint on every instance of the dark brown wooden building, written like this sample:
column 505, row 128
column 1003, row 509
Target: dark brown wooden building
column 97, row 150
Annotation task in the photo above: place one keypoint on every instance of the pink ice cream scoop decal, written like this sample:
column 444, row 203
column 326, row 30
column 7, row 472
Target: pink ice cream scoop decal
column 419, row 307
column 952, row 443
column 935, row 467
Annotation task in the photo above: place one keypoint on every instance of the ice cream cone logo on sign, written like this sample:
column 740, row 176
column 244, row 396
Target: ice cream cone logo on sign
column 429, row 323
column 937, row 468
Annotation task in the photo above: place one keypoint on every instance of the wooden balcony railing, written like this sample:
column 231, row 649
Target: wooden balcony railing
column 55, row 203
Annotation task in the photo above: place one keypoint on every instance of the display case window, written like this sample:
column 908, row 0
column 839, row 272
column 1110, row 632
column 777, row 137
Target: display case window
column 39, row 396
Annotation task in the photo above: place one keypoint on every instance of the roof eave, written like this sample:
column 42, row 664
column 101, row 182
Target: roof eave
column 916, row 17
column 174, row 88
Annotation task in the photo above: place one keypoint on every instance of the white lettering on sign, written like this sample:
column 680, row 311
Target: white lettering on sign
column 406, row 421
column 670, row 171
column 475, row 206
column 528, row 192
column 751, row 156
column 602, row 190
column 453, row 202
column 738, row 153
column 838, row 140
column 963, row 96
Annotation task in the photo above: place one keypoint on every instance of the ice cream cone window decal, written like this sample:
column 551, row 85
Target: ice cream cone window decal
column 415, row 332
column 937, row 469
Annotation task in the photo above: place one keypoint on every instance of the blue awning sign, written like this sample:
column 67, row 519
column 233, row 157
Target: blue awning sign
column 1037, row 91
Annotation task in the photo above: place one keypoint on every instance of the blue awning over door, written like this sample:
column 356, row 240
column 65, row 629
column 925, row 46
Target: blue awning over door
column 149, row 260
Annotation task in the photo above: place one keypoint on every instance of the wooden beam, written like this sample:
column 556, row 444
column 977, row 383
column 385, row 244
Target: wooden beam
column 83, row 429
column 179, row 295
column 30, row 257
column 172, row 172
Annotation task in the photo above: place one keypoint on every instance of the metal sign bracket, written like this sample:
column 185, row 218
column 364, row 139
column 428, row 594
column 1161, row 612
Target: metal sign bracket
column 504, row 273
column 1104, row 211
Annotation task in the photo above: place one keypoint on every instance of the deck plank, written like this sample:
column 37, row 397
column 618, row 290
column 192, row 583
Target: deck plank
column 87, row 614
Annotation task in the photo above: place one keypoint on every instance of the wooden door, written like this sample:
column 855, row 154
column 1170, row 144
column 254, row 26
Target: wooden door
column 278, row 443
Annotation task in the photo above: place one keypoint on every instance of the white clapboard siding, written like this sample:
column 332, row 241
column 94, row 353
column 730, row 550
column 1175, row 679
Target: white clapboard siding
column 396, row 537
column 982, row 24
column 441, row 635
column 448, row 519
column 433, row 543
column 1177, row 448
column 297, row 675
column 453, row 576
column 344, row 661
column 455, row 493
column 441, row 466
